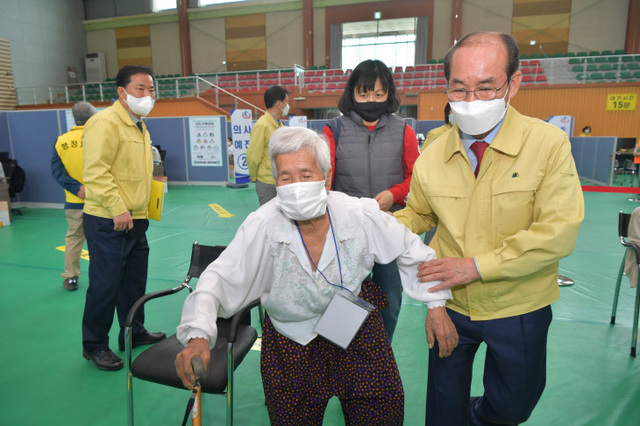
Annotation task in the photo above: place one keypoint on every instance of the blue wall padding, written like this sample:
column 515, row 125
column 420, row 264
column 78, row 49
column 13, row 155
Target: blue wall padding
column 169, row 134
column 33, row 135
column 593, row 157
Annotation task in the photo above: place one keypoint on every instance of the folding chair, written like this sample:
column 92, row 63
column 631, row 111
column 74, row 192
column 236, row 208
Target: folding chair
column 623, row 232
column 156, row 364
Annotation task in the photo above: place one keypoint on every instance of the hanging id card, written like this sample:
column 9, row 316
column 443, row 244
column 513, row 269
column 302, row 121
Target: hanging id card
column 343, row 318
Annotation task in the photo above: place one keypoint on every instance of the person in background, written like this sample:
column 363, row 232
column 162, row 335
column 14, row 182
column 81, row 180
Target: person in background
column 504, row 192
column 298, row 254
column 276, row 100
column 372, row 155
column 586, row 131
column 118, row 169
column 66, row 167
column 439, row 131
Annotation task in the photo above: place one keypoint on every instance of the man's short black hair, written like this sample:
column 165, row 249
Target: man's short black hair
column 364, row 77
column 509, row 42
column 274, row 94
column 124, row 75
column 447, row 111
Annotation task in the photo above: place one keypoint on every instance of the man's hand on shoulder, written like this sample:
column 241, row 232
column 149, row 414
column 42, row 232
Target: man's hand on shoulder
column 123, row 222
column 452, row 271
column 81, row 193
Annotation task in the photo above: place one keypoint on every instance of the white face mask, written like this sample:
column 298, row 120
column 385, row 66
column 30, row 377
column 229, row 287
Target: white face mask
column 302, row 200
column 140, row 106
column 478, row 117
column 285, row 110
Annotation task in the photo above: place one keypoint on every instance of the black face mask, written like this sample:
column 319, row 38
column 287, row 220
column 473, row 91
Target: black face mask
column 370, row 111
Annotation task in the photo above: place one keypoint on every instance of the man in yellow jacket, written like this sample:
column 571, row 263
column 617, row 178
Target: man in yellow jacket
column 118, row 169
column 504, row 192
column 66, row 167
column 276, row 99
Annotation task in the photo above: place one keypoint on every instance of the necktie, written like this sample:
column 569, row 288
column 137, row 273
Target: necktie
column 139, row 125
column 478, row 148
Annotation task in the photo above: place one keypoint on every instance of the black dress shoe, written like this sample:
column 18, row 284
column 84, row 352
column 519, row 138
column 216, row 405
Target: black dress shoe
column 70, row 284
column 145, row 338
column 104, row 360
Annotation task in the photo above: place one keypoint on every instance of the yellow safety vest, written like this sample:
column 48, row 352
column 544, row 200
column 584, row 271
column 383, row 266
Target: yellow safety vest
column 69, row 148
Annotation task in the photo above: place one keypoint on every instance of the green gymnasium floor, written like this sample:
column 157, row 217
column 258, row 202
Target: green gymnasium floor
column 45, row 381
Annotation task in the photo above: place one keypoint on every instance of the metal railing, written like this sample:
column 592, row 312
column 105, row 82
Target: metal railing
column 565, row 70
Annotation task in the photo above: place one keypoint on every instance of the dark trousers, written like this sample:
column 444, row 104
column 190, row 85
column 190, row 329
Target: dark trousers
column 514, row 371
column 387, row 277
column 117, row 278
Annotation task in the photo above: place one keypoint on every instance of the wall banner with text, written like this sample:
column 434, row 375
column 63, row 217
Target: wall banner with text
column 241, row 125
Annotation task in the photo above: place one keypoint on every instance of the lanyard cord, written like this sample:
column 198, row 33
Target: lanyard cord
column 337, row 254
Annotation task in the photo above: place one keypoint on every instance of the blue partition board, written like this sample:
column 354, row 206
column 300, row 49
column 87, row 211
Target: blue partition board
column 33, row 135
column 5, row 145
column 170, row 134
column 425, row 126
column 605, row 149
column 316, row 125
column 209, row 174
column 413, row 123
column 593, row 157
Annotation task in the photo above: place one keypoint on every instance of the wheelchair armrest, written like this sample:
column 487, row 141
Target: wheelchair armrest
column 144, row 299
column 235, row 320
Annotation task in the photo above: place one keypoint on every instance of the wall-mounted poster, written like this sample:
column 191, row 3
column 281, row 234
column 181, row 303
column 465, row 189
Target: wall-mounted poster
column 205, row 140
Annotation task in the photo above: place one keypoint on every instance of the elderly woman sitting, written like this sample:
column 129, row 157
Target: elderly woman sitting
column 307, row 255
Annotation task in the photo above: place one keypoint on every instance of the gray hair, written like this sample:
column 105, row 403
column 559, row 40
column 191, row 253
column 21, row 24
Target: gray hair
column 82, row 111
column 292, row 139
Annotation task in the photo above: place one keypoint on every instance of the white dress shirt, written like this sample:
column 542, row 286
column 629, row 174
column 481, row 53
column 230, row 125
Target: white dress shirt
column 267, row 260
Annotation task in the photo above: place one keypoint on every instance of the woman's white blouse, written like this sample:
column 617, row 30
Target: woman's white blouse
column 267, row 260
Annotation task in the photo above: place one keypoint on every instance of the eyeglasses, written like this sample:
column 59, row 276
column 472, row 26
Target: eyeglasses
column 484, row 93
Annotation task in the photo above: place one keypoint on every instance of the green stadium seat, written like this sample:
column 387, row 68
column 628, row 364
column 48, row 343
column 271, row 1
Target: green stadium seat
column 596, row 76
column 599, row 59
column 626, row 75
column 557, row 55
column 569, row 55
column 525, row 57
column 582, row 54
column 620, row 52
column 613, row 58
column 534, row 56
column 633, row 66
column 581, row 77
column 594, row 53
column 606, row 52
column 591, row 68
column 627, row 59
column 610, row 75
column 577, row 68
column 605, row 67
column 574, row 61
column 432, row 61
column 441, row 61
column 636, row 74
